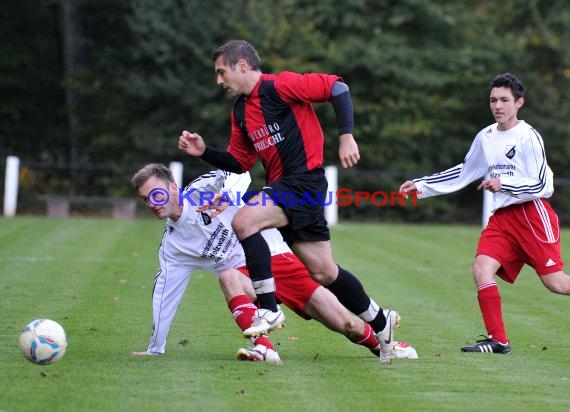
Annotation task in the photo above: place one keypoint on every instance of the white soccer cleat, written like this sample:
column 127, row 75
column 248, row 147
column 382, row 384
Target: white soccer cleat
column 403, row 350
column 259, row 353
column 264, row 322
column 146, row 353
column 386, row 336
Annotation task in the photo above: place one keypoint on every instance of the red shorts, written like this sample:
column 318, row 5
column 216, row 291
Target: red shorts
column 293, row 283
column 524, row 233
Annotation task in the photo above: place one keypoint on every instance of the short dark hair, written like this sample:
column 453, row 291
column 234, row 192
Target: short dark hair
column 158, row 170
column 511, row 81
column 235, row 50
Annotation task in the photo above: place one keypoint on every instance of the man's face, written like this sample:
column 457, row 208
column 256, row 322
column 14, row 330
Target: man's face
column 504, row 107
column 160, row 197
column 231, row 80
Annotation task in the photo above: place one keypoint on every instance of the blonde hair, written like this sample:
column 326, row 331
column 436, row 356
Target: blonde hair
column 157, row 170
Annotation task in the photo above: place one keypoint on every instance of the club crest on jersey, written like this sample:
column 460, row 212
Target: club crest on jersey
column 204, row 219
column 510, row 151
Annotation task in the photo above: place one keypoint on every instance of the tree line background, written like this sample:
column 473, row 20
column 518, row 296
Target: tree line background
column 94, row 89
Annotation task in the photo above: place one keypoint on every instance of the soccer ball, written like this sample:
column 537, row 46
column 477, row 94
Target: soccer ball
column 43, row 341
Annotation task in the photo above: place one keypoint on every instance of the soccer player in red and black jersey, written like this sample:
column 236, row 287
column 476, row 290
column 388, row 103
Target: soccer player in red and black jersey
column 273, row 119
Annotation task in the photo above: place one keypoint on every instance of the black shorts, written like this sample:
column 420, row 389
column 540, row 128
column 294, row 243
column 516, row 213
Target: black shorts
column 302, row 197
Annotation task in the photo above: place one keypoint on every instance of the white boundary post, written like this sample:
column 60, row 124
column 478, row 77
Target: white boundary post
column 487, row 206
column 11, row 185
column 176, row 168
column 331, row 211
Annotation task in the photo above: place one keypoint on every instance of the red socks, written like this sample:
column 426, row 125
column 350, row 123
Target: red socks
column 490, row 304
column 243, row 310
column 367, row 339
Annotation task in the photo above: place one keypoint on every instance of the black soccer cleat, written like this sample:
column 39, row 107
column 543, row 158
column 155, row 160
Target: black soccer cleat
column 488, row 345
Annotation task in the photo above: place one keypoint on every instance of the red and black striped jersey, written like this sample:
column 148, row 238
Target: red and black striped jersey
column 278, row 124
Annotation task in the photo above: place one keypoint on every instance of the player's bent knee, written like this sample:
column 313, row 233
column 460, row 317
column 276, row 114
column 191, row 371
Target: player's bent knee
column 476, row 269
column 481, row 273
column 559, row 289
column 558, row 282
column 322, row 273
column 240, row 228
column 321, row 278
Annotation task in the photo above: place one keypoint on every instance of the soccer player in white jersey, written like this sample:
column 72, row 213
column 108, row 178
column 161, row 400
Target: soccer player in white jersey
column 193, row 240
column 509, row 156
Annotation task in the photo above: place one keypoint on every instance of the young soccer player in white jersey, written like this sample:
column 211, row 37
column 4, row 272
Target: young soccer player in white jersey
column 509, row 155
column 194, row 240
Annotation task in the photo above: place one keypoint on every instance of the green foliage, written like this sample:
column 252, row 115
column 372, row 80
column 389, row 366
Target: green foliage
column 418, row 73
column 32, row 121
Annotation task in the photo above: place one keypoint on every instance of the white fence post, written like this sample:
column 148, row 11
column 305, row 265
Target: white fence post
column 11, row 185
column 487, row 206
column 331, row 210
column 176, row 168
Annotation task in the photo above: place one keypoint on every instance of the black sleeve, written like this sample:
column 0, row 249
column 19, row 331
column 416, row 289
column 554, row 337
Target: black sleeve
column 342, row 104
column 222, row 160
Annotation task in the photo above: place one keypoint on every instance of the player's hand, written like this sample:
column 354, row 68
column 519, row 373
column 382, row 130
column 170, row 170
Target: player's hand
column 191, row 143
column 492, row 185
column 406, row 187
column 348, row 151
column 215, row 205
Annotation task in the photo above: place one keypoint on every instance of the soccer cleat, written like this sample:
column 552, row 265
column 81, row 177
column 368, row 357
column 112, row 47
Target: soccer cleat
column 488, row 345
column 386, row 336
column 264, row 322
column 259, row 353
column 403, row 350
column 147, row 353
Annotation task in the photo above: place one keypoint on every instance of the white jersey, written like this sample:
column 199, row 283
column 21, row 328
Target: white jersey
column 196, row 241
column 515, row 156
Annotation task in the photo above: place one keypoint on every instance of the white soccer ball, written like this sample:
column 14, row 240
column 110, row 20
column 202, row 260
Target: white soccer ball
column 43, row 341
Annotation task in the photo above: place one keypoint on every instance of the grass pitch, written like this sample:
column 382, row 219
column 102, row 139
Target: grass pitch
column 94, row 276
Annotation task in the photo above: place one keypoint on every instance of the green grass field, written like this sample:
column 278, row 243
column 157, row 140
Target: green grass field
column 94, row 276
